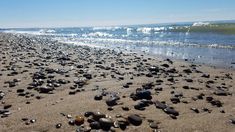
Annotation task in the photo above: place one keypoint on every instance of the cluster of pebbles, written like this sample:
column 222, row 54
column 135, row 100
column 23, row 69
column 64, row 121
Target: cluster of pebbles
column 34, row 68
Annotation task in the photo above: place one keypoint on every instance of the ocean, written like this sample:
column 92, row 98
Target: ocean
column 211, row 43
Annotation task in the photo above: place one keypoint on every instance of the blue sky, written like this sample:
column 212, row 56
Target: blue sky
column 58, row 13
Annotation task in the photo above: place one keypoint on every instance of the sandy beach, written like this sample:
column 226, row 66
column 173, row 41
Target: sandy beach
column 46, row 86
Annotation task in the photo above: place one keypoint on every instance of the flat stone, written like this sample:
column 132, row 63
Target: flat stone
column 169, row 110
column 160, row 105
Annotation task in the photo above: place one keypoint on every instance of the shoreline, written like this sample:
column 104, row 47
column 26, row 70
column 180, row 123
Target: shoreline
column 49, row 86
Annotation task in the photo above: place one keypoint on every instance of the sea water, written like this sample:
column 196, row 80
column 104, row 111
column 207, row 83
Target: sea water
column 211, row 43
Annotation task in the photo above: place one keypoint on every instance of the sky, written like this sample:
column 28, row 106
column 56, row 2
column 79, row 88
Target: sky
column 72, row 13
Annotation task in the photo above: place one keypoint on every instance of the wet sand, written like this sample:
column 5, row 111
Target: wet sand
column 48, row 86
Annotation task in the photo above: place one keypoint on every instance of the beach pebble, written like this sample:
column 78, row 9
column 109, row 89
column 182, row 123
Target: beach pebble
column 153, row 125
column 7, row 106
column 105, row 123
column 171, row 111
column 88, row 113
column 97, row 115
column 216, row 103
column 45, row 89
column 79, row 120
column 98, row 97
column 125, row 108
column 135, row 119
column 221, row 93
column 111, row 101
column 20, row 90
column 141, row 94
column 160, row 105
column 195, row 110
column 175, row 100
column 187, row 71
column 58, row 125
column 95, row 125
column 232, row 121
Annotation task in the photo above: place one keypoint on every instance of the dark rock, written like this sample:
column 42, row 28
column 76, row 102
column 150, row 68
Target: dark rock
column 7, row 106
column 158, row 89
column 206, row 75
column 32, row 120
column 20, row 90
column 87, row 76
column 71, row 122
column 195, row 110
column 171, row 111
column 160, row 105
column 98, row 97
column 135, row 119
column 232, row 121
column 72, row 92
column 98, row 115
column 165, row 65
column 209, row 99
column 88, row 113
column 188, row 80
column 221, row 93
column 110, row 108
column 24, row 119
column 58, row 125
column 216, row 103
column 105, row 123
column 185, row 87
column 141, row 94
column 210, row 82
column 45, row 89
column 111, row 101
column 175, row 100
column 147, row 86
column 187, row 71
column 125, row 108
column 95, row 125
column 125, row 86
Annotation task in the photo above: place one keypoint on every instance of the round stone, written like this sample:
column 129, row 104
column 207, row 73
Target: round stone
column 79, row 120
column 135, row 119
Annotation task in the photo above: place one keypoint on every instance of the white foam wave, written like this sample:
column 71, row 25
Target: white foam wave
column 151, row 30
column 97, row 34
column 101, row 41
column 106, row 28
column 201, row 24
column 39, row 32
column 129, row 31
column 145, row 30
